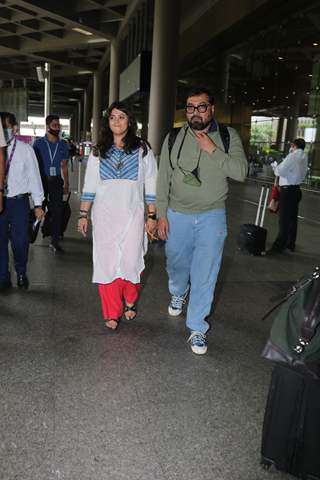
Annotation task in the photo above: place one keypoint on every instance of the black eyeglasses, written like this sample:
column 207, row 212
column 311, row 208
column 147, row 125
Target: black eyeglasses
column 202, row 108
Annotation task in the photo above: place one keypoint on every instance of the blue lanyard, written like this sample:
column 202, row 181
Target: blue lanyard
column 52, row 157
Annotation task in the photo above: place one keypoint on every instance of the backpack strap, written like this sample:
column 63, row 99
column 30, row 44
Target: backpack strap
column 225, row 136
column 171, row 140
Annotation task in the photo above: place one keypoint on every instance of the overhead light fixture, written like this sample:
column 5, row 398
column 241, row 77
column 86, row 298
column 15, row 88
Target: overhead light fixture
column 77, row 89
column 81, row 30
column 73, row 99
column 280, row 58
column 97, row 40
column 310, row 75
column 315, row 44
column 84, row 72
column 41, row 73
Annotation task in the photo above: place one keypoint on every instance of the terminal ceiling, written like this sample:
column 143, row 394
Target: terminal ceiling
column 272, row 47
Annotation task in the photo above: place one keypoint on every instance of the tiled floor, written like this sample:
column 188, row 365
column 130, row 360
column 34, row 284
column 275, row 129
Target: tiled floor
column 79, row 402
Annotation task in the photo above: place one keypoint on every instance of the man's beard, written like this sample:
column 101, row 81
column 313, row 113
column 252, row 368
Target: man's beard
column 198, row 124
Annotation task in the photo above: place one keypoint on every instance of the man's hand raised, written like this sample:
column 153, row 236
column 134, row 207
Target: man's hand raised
column 205, row 142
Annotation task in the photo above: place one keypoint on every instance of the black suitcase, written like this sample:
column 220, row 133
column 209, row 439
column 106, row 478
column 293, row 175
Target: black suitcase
column 253, row 237
column 291, row 428
column 66, row 214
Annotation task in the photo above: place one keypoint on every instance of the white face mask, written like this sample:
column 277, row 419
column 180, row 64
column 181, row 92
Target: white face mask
column 8, row 133
column 291, row 150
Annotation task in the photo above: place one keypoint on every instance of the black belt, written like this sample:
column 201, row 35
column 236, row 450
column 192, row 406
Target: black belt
column 18, row 197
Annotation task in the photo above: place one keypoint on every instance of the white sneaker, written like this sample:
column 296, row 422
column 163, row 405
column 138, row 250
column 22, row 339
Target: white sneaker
column 176, row 304
column 198, row 343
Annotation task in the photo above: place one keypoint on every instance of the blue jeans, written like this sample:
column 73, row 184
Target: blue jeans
column 194, row 251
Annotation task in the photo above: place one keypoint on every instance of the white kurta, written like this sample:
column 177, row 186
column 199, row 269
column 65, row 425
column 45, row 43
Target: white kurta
column 119, row 238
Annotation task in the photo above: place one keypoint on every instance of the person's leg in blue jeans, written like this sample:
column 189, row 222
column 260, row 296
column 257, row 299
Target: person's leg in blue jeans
column 179, row 249
column 210, row 231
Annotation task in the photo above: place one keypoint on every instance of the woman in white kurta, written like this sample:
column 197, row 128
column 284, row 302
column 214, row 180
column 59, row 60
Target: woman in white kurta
column 120, row 179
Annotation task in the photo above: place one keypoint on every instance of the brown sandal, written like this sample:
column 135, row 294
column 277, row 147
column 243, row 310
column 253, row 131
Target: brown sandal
column 112, row 324
column 130, row 309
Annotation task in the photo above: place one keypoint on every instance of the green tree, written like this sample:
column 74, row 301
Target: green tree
column 261, row 133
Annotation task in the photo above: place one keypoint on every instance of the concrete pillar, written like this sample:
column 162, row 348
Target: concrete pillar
column 47, row 90
column 280, row 133
column 79, row 122
column 85, row 114
column 315, row 156
column 114, row 83
column 226, row 78
column 73, row 128
column 163, row 71
column 97, row 106
column 292, row 124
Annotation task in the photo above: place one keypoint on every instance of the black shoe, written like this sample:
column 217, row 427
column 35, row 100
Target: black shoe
column 5, row 286
column 55, row 247
column 22, row 281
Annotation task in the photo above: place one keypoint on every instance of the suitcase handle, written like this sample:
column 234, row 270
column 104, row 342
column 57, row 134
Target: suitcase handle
column 260, row 205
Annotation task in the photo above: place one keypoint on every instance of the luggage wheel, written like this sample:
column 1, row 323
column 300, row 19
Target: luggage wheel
column 265, row 464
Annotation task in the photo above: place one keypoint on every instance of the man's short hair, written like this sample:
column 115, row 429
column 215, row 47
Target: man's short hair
column 50, row 119
column 10, row 117
column 299, row 143
column 194, row 92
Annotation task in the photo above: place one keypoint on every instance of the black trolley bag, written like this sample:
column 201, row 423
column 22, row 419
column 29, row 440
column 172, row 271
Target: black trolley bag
column 66, row 214
column 291, row 428
column 253, row 237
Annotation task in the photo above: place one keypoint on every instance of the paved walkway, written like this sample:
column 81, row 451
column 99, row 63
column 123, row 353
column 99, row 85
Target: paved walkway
column 79, row 402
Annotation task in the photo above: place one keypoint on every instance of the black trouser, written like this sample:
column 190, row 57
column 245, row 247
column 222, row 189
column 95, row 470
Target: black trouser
column 14, row 222
column 290, row 197
column 54, row 197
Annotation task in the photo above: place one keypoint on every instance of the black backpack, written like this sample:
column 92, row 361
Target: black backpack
column 224, row 134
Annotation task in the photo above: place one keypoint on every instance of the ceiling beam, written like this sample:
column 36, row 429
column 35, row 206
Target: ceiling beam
column 55, row 10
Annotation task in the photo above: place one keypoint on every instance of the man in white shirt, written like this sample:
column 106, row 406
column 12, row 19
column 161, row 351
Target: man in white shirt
column 291, row 173
column 22, row 178
column 3, row 144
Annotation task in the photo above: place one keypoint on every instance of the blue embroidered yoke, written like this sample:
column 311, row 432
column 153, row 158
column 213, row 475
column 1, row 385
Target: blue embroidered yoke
column 119, row 165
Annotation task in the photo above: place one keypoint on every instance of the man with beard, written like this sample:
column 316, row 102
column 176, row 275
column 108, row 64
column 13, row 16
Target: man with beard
column 53, row 154
column 191, row 193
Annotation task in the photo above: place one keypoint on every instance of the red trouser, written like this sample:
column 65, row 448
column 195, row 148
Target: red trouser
column 112, row 295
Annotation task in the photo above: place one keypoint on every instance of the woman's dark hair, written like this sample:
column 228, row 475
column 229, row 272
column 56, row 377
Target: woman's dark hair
column 131, row 140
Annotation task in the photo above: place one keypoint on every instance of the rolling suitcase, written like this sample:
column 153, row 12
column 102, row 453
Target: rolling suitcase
column 66, row 214
column 253, row 237
column 291, row 429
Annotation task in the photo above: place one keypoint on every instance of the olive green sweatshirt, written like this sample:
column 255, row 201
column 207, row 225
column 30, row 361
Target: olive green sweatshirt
column 214, row 170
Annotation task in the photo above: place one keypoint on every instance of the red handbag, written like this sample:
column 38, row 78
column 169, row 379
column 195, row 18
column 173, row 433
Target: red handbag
column 273, row 206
